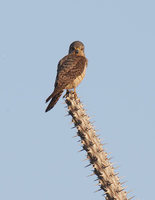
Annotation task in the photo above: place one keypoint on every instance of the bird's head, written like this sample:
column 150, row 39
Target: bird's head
column 77, row 48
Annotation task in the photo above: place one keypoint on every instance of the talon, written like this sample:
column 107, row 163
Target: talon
column 75, row 95
column 67, row 92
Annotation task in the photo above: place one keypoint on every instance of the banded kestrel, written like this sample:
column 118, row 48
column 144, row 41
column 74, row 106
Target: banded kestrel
column 70, row 72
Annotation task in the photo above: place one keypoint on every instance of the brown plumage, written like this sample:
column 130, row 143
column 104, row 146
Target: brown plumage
column 70, row 72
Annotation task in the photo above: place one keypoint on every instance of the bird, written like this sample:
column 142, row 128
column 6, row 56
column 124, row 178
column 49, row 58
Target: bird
column 70, row 72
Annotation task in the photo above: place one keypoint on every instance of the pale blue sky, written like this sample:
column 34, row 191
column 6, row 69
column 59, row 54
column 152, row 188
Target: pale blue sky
column 39, row 157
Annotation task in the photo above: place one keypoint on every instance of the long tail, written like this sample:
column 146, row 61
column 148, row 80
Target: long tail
column 54, row 99
column 52, row 95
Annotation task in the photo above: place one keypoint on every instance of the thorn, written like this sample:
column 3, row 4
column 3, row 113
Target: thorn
column 123, row 188
column 88, row 165
column 70, row 113
column 91, row 175
column 75, row 136
column 98, row 184
column 122, row 183
column 101, row 140
column 85, row 159
column 81, row 150
column 110, row 158
column 104, row 144
column 71, row 121
column 113, row 163
column 121, row 177
column 98, row 190
column 98, row 135
column 129, row 191
column 131, row 197
column 82, row 141
column 117, row 167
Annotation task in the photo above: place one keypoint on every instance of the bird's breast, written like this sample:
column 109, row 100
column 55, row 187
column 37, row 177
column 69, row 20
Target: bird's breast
column 77, row 80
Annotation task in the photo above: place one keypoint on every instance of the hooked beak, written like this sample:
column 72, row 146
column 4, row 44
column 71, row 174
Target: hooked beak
column 76, row 51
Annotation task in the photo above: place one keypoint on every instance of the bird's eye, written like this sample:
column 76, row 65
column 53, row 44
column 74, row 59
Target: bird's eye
column 73, row 48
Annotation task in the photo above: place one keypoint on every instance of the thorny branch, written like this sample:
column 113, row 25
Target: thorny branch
column 102, row 167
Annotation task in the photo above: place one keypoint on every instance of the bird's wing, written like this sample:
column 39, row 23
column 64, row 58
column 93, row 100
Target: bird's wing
column 69, row 68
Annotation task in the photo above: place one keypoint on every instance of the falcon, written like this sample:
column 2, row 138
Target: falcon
column 70, row 72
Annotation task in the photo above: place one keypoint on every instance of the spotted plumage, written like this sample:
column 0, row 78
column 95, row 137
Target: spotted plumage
column 70, row 72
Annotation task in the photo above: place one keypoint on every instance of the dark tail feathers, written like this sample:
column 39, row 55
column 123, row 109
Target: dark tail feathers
column 55, row 97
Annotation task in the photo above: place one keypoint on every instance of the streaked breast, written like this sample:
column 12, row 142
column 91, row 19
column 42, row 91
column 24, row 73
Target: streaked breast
column 77, row 81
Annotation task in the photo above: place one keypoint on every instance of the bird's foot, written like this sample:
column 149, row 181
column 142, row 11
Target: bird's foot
column 67, row 92
column 75, row 94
